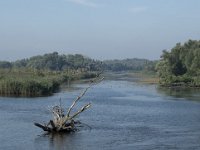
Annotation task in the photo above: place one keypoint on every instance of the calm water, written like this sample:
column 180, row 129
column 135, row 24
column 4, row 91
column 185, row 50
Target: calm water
column 124, row 115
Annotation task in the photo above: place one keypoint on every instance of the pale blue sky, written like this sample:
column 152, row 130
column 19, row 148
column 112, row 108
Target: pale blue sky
column 101, row 29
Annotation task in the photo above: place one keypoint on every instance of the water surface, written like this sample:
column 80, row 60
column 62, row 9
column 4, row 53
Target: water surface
column 124, row 115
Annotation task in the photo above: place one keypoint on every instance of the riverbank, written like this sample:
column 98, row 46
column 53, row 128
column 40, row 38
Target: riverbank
column 148, row 78
column 32, row 83
column 133, row 76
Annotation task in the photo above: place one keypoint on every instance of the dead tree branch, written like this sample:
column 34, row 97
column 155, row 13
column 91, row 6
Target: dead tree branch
column 62, row 122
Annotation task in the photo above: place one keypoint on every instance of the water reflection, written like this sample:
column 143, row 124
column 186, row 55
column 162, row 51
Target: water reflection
column 56, row 141
column 192, row 94
column 60, row 140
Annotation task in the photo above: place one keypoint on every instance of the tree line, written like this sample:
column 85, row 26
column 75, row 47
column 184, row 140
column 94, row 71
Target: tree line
column 133, row 64
column 181, row 65
column 55, row 62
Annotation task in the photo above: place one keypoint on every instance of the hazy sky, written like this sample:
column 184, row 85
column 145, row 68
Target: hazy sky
column 101, row 29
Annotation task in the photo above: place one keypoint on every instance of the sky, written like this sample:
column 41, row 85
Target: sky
column 100, row 29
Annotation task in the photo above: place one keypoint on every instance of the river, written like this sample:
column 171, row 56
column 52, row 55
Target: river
column 124, row 115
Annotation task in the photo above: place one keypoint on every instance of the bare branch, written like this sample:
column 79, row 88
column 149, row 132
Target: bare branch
column 78, row 98
column 80, row 111
column 66, row 118
column 93, row 82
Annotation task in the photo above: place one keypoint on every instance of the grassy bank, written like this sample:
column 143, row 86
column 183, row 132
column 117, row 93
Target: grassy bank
column 145, row 77
column 148, row 77
column 22, row 82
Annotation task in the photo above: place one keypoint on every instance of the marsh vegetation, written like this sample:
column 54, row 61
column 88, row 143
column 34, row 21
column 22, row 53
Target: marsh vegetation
column 28, row 82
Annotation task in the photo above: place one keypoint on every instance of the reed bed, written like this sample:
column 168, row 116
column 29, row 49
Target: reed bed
column 34, row 82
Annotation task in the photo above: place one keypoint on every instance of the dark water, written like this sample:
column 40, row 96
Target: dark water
column 124, row 115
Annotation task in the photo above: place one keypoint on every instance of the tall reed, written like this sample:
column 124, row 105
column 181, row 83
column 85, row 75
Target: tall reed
column 28, row 82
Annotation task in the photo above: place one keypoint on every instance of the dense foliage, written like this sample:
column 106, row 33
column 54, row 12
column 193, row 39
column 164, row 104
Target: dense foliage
column 181, row 66
column 134, row 64
column 55, row 62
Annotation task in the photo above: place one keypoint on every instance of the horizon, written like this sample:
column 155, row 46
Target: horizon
column 99, row 29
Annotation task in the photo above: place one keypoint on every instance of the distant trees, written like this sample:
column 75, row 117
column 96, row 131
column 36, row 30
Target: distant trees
column 181, row 65
column 5, row 65
column 55, row 62
column 133, row 64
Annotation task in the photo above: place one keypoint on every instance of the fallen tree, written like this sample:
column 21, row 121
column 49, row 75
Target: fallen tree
column 65, row 122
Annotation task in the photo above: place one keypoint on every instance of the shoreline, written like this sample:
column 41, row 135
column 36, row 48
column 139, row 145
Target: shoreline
column 30, row 84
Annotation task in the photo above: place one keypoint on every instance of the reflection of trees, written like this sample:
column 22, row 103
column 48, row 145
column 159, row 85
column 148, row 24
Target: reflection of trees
column 178, row 92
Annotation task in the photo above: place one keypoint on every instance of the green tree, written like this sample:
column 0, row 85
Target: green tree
column 181, row 64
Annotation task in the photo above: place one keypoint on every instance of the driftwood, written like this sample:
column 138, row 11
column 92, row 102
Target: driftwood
column 65, row 122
